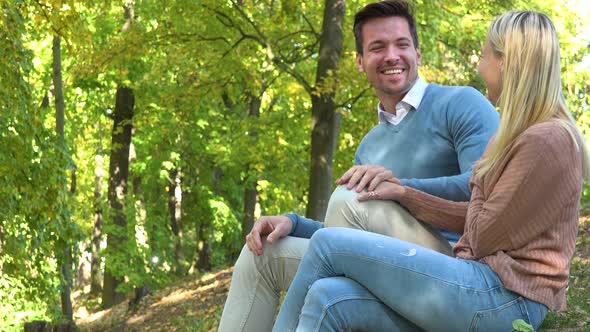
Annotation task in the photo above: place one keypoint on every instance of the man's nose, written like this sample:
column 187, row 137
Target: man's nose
column 391, row 54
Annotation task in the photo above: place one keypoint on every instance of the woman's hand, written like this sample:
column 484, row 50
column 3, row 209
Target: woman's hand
column 384, row 191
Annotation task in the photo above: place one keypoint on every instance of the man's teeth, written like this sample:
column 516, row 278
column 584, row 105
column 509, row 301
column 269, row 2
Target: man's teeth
column 392, row 71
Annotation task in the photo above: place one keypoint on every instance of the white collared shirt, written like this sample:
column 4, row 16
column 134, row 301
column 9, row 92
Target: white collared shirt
column 412, row 99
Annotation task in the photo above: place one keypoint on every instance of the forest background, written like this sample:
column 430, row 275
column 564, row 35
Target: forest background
column 140, row 139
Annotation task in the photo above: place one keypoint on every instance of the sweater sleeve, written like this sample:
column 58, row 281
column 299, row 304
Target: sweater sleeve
column 471, row 122
column 303, row 227
column 539, row 174
column 439, row 212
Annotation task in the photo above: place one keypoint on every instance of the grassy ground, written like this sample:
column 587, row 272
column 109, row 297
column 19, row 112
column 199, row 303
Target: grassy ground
column 577, row 316
column 195, row 304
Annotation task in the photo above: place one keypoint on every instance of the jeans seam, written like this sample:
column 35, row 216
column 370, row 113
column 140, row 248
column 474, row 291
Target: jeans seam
column 327, row 307
column 416, row 272
column 518, row 301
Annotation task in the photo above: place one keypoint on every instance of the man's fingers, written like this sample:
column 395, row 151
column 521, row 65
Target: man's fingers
column 257, row 244
column 354, row 179
column 253, row 239
column 251, row 245
column 346, row 176
column 367, row 178
column 248, row 242
column 280, row 231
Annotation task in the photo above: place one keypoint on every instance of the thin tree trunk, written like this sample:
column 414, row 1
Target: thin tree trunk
column 250, row 193
column 66, row 260
column 325, row 120
column 119, row 176
column 175, row 211
column 118, row 179
column 250, row 198
column 204, row 232
column 95, row 272
column 58, row 88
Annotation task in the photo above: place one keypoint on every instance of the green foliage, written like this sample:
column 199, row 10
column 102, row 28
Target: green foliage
column 520, row 325
column 28, row 302
column 197, row 85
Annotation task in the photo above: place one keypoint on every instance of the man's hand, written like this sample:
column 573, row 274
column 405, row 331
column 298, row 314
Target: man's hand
column 275, row 227
column 371, row 175
column 384, row 191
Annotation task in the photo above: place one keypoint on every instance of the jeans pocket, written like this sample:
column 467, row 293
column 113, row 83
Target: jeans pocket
column 500, row 318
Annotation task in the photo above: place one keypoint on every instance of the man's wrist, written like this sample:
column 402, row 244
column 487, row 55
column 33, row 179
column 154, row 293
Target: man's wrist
column 293, row 218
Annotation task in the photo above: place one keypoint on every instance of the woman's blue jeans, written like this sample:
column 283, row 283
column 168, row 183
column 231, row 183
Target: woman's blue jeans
column 351, row 279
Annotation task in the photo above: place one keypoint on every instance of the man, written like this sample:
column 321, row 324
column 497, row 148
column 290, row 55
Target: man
column 428, row 138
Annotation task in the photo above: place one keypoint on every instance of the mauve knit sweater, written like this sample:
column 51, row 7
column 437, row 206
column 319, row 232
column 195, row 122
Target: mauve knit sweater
column 522, row 219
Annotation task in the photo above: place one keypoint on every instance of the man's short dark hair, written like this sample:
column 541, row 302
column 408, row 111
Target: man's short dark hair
column 389, row 8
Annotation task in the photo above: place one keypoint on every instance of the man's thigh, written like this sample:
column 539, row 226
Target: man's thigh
column 257, row 283
column 280, row 260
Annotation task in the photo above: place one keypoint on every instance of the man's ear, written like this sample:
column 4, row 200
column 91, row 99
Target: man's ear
column 359, row 63
column 419, row 57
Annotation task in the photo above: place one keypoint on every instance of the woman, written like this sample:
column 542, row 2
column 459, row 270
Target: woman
column 519, row 228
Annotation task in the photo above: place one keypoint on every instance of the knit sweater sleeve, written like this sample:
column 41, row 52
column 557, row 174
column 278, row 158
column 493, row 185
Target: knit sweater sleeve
column 437, row 211
column 529, row 194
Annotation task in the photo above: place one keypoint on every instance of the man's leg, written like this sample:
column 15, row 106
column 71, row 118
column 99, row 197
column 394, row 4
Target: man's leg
column 257, row 282
column 383, row 217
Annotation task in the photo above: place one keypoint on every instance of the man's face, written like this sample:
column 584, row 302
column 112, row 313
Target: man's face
column 389, row 60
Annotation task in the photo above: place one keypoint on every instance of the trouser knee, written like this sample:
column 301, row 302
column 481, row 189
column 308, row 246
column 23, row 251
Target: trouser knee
column 344, row 210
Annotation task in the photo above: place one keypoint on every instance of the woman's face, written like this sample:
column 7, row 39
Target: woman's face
column 490, row 70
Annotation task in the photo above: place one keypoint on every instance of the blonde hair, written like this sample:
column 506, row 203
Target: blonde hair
column 531, row 82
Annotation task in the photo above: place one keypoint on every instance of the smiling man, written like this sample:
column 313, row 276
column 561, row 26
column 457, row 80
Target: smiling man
column 389, row 59
column 428, row 138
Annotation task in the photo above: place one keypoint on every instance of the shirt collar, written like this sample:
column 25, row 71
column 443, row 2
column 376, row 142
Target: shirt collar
column 416, row 93
column 413, row 98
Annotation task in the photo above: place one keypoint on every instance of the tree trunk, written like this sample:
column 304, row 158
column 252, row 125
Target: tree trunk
column 95, row 274
column 58, row 88
column 66, row 259
column 325, row 120
column 175, row 211
column 250, row 196
column 250, row 193
column 117, row 192
column 204, row 232
column 204, row 248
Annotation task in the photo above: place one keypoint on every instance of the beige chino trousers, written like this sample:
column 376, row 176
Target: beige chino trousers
column 257, row 281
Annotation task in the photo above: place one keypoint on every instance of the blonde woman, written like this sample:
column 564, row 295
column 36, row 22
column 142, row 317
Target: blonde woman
column 518, row 230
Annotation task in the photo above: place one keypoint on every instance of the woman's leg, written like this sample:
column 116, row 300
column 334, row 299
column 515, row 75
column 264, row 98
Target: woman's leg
column 339, row 303
column 434, row 291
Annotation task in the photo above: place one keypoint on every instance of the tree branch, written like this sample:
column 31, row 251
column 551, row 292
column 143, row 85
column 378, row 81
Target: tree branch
column 350, row 102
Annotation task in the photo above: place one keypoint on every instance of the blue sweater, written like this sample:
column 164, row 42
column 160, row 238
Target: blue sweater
column 433, row 149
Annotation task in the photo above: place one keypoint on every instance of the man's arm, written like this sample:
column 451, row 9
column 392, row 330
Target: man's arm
column 471, row 121
column 303, row 227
